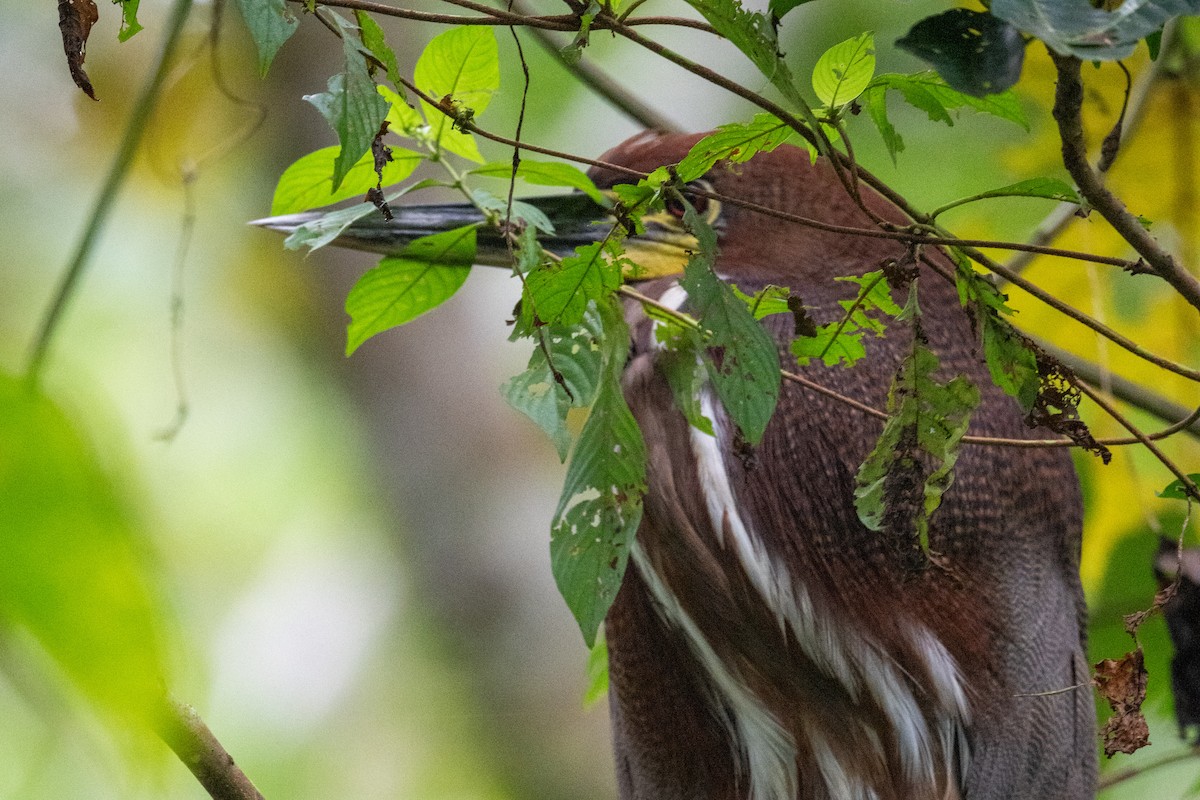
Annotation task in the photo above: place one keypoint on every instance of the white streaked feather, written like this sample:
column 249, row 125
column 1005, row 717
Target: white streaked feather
column 768, row 749
column 856, row 661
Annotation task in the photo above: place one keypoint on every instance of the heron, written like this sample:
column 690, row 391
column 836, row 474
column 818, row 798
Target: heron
column 765, row 644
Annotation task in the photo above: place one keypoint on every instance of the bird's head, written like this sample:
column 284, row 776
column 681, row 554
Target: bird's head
column 753, row 243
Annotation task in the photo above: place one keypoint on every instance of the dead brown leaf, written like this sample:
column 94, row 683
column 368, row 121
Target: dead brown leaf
column 1122, row 682
column 75, row 20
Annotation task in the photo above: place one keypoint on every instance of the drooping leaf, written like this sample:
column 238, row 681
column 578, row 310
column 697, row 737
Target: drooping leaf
column 597, row 672
column 902, row 481
column 308, row 181
column 401, row 288
column 779, row 8
column 544, row 173
column 974, row 51
column 681, row 361
column 271, row 23
column 739, row 355
column 844, row 70
column 752, row 33
column 601, row 504
column 460, row 67
column 129, row 21
column 72, row 568
column 374, row 39
column 1093, row 34
column 75, row 21
column 500, row 208
column 736, row 143
column 547, row 389
column 561, row 290
column 351, row 105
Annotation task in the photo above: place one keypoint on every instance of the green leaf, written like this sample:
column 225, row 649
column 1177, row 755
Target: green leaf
column 736, row 143
column 271, row 23
column 1047, row 188
column 129, row 21
column 561, row 290
column 461, row 64
column 597, row 671
column 875, row 101
column 352, row 106
column 426, row 274
column 72, row 561
column 841, row 342
column 403, row 119
column 1092, row 34
column 768, row 301
column 500, row 207
column 575, row 353
column 544, row 173
column 844, row 70
column 740, row 357
column 975, row 52
column 319, row 232
column 1175, row 490
column 895, row 491
column 752, row 33
column 374, row 40
column 601, row 504
column 308, row 182
column 930, row 93
column 682, row 362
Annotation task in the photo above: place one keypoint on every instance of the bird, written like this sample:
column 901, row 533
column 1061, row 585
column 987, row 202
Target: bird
column 764, row 643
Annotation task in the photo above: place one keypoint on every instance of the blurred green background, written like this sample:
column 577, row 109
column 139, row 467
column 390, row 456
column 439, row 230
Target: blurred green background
column 350, row 556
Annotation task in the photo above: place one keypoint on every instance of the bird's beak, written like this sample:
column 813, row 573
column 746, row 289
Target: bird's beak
column 570, row 220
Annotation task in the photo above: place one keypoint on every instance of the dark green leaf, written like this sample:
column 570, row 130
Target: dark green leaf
column 271, row 23
column 749, row 31
column 736, row 143
column 560, row 290
column 374, row 40
column 129, row 21
column 740, row 357
column 601, row 504
column 308, row 182
column 1047, row 188
column 401, row 288
column 544, row 173
column 875, row 101
column 1175, row 490
column 352, row 106
column 681, row 361
column 844, row 70
column 974, row 51
column 1092, row 34
column 779, row 8
column 576, row 356
column 460, row 66
column 72, row 561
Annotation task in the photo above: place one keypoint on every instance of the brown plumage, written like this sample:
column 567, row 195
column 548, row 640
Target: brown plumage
column 766, row 645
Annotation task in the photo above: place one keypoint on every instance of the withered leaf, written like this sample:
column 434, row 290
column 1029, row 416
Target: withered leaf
column 1122, row 683
column 75, row 20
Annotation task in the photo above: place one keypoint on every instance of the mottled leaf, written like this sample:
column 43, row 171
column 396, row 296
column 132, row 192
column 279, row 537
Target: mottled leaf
column 601, row 504
column 974, row 51
column 736, row 143
column 1092, row 34
column 561, row 290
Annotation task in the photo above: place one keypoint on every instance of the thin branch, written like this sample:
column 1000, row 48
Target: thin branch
column 1147, row 441
column 139, row 118
column 181, row 728
column 1117, row 776
column 1068, row 104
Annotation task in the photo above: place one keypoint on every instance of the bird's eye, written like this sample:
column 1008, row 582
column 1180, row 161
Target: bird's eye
column 676, row 207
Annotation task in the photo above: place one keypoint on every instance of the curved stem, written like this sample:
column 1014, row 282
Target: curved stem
column 139, row 118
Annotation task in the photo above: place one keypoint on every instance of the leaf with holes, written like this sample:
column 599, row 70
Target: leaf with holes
column 427, row 273
column 601, row 503
column 548, row 389
column 740, row 357
column 561, row 290
column 841, row 342
column 901, row 483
